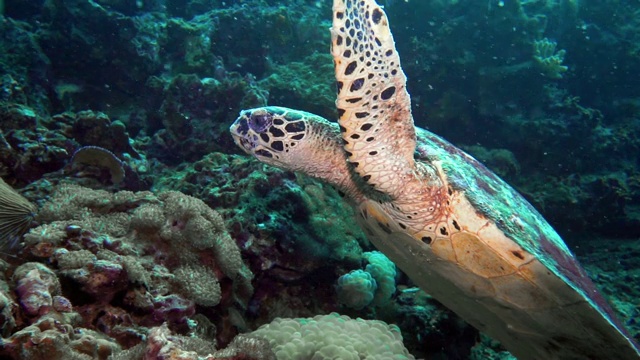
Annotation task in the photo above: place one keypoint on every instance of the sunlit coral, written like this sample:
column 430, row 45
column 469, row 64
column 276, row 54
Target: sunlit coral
column 548, row 60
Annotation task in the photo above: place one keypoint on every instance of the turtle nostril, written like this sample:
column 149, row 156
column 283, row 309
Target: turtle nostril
column 260, row 122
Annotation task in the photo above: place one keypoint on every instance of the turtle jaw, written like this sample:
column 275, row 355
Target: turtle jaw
column 240, row 133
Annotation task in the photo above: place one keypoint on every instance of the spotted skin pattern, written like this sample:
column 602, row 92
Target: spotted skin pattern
column 289, row 138
column 372, row 90
column 455, row 228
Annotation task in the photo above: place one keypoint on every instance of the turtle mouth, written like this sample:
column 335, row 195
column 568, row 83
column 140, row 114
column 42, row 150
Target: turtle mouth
column 241, row 136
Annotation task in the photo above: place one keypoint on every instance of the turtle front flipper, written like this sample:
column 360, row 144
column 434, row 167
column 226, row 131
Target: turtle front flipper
column 373, row 103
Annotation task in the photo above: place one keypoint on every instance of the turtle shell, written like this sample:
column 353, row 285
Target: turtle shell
column 501, row 266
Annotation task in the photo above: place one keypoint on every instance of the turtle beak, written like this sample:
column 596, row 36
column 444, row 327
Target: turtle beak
column 240, row 133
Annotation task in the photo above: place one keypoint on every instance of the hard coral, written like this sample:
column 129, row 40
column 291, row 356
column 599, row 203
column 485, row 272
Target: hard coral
column 356, row 289
column 548, row 60
column 195, row 281
column 177, row 227
column 127, row 262
column 91, row 128
column 195, row 113
column 375, row 285
column 7, row 310
column 333, row 337
column 163, row 344
column 190, row 228
column 384, row 271
column 49, row 338
column 36, row 285
column 97, row 156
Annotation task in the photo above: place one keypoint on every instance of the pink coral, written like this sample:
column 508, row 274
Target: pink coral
column 172, row 308
column 35, row 285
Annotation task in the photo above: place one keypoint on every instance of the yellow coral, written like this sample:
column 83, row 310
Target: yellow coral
column 548, row 60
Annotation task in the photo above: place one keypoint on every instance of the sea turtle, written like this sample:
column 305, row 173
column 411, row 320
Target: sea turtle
column 457, row 230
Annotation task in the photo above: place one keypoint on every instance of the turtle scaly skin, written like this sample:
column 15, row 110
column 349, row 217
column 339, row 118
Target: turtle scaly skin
column 457, row 230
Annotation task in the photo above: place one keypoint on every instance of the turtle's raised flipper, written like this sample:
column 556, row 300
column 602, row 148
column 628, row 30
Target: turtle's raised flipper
column 373, row 103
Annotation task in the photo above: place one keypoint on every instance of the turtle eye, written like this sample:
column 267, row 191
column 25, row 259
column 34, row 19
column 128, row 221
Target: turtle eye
column 260, row 122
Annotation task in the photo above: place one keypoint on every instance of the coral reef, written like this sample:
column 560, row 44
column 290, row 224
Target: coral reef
column 180, row 229
column 307, row 83
column 121, row 264
column 32, row 146
column 163, row 344
column 195, row 111
column 157, row 83
column 176, row 74
column 24, row 70
column 384, row 271
column 614, row 267
column 91, row 128
column 36, row 285
column 50, row 338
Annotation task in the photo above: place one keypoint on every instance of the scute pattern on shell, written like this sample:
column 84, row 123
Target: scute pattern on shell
column 511, row 213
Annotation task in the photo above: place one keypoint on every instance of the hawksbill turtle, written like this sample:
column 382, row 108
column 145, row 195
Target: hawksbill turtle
column 455, row 228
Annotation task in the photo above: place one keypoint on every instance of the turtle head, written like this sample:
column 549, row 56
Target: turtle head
column 272, row 134
column 295, row 140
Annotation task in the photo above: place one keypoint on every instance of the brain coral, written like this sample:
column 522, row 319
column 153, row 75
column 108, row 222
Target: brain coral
column 333, row 337
column 180, row 229
column 129, row 262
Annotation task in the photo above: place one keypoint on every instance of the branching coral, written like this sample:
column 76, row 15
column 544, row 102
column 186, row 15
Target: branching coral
column 548, row 60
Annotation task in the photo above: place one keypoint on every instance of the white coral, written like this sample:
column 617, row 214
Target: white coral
column 356, row 289
column 333, row 337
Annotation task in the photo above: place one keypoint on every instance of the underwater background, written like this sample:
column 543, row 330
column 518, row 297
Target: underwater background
column 151, row 234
